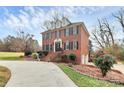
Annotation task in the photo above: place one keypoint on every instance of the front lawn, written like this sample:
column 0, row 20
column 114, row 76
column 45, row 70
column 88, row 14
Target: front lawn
column 4, row 75
column 83, row 80
column 11, row 55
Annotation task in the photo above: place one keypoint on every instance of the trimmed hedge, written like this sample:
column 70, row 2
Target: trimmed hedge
column 28, row 53
column 72, row 57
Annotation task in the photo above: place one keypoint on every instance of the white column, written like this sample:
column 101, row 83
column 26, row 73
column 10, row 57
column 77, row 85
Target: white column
column 54, row 46
column 86, row 59
column 82, row 59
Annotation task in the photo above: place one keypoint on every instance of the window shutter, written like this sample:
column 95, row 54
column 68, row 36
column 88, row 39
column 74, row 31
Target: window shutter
column 69, row 45
column 64, row 46
column 77, row 44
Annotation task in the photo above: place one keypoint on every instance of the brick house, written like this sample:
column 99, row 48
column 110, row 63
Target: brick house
column 71, row 37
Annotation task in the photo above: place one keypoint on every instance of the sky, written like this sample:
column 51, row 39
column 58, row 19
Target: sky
column 30, row 19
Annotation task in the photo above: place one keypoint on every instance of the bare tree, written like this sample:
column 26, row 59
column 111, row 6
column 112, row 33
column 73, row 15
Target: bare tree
column 20, row 43
column 108, row 30
column 57, row 19
column 103, row 34
column 120, row 17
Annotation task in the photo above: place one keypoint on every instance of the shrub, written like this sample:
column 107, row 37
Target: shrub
column 99, row 53
column 45, row 53
column 72, row 57
column 104, row 63
column 35, row 55
column 121, row 56
column 21, row 56
column 64, row 58
column 42, row 53
column 28, row 53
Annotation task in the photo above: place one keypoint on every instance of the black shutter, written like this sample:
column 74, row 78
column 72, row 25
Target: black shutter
column 51, row 47
column 77, row 44
column 64, row 46
column 43, row 47
column 77, row 29
column 71, row 45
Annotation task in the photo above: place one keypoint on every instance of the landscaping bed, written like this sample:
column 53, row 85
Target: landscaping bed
column 4, row 75
column 113, row 76
column 83, row 80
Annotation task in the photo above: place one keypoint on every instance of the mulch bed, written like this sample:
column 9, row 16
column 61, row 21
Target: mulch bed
column 113, row 76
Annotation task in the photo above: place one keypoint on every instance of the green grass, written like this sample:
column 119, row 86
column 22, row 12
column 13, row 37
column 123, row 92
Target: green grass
column 85, row 81
column 11, row 55
column 121, row 62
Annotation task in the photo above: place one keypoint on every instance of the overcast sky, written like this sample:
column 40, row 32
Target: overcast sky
column 31, row 18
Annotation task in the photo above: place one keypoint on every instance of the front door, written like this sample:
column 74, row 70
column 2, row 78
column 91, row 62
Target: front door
column 57, row 46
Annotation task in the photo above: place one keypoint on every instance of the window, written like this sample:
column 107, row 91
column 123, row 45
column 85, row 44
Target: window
column 75, row 45
column 43, row 36
column 76, row 30
column 71, row 31
column 51, row 47
column 59, row 33
column 55, row 34
column 47, row 48
column 44, row 47
column 66, row 45
column 49, row 37
column 66, row 32
column 71, row 45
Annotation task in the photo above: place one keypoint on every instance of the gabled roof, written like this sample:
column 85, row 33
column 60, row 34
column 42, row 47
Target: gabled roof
column 71, row 24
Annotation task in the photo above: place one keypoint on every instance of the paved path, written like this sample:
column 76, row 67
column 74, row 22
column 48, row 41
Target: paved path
column 119, row 67
column 36, row 74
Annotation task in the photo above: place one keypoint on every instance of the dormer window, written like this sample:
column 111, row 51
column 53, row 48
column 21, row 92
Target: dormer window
column 58, row 24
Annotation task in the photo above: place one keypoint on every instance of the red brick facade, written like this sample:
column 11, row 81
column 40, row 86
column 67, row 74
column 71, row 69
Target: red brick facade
column 73, row 38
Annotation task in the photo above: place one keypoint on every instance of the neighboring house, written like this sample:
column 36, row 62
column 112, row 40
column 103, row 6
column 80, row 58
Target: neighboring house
column 72, row 38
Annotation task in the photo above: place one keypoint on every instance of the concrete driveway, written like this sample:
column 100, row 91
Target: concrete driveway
column 36, row 74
